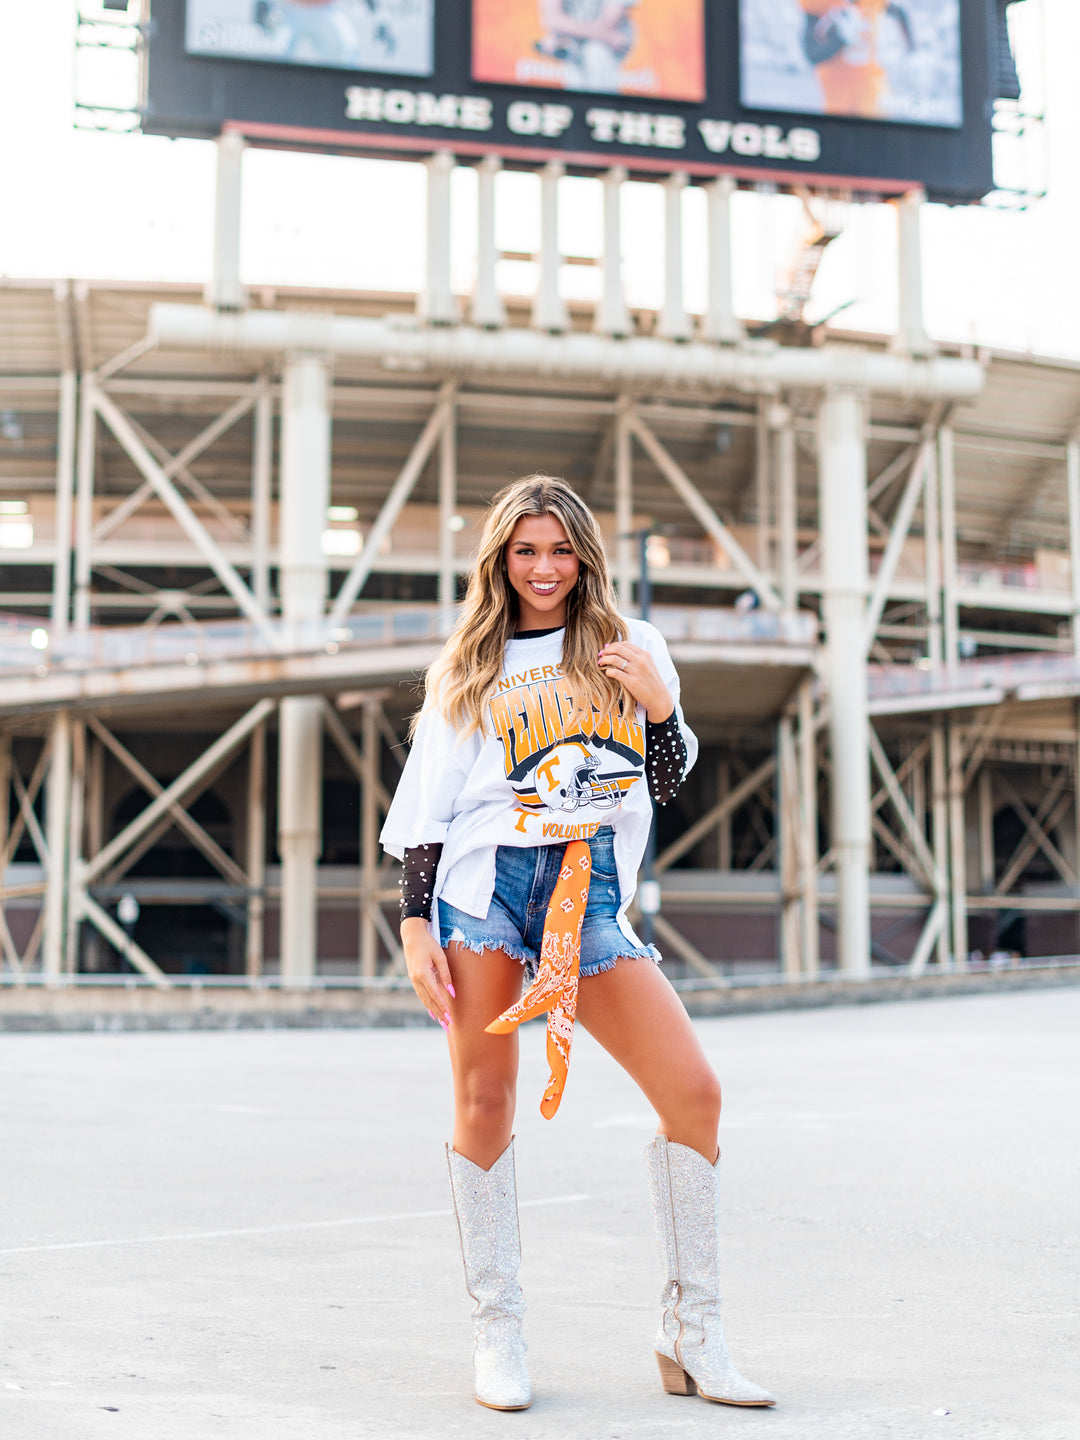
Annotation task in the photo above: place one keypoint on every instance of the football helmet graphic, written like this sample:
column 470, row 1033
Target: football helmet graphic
column 567, row 778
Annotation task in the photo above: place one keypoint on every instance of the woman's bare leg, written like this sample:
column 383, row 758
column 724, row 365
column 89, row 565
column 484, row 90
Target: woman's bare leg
column 485, row 1066
column 640, row 1021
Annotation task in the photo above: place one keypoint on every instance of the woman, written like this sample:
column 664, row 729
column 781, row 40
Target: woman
column 521, row 819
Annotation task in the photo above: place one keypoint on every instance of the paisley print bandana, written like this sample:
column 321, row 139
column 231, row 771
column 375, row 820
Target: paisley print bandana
column 555, row 988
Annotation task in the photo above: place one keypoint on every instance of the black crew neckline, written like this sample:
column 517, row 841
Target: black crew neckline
column 537, row 634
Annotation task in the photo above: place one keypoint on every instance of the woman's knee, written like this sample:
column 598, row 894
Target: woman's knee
column 700, row 1097
column 485, row 1100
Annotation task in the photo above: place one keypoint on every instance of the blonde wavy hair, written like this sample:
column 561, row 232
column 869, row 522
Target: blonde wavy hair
column 463, row 678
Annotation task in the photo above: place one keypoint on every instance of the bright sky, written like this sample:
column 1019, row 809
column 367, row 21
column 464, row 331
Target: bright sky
column 139, row 207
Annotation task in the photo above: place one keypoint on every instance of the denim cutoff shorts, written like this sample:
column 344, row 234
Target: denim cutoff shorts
column 524, row 880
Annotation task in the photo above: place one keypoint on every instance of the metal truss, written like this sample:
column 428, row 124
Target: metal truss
column 874, row 558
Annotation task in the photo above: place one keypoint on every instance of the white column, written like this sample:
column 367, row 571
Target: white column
column 1072, row 485
column 488, row 309
column 447, row 511
column 225, row 291
column 57, row 796
column 958, row 847
column 255, row 854
column 549, row 311
column 674, row 321
column 935, row 645
column 808, row 821
column 787, row 822
column 624, row 505
column 65, row 496
column 305, row 493
column 842, row 460
column 369, row 839
column 782, row 422
column 84, row 502
column 436, row 302
column 612, row 316
column 262, row 493
column 721, row 324
column 74, row 861
column 912, row 338
column 939, row 832
column 947, row 501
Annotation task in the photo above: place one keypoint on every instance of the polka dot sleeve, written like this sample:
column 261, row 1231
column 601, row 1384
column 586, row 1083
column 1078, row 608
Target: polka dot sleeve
column 665, row 758
column 418, row 880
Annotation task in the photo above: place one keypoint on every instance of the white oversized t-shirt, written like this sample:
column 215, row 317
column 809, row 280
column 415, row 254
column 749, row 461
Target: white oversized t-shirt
column 541, row 772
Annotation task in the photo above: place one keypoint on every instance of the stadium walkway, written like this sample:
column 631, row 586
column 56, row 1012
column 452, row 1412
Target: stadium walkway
column 247, row 1236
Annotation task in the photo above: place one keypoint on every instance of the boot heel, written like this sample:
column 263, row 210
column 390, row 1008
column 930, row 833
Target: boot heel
column 674, row 1378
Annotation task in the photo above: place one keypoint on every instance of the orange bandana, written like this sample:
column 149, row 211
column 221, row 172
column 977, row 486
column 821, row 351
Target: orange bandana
column 555, row 988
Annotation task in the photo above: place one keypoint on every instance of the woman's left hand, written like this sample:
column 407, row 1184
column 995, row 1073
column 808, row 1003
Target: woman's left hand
column 635, row 669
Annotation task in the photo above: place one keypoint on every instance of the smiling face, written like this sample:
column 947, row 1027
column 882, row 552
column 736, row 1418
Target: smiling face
column 542, row 569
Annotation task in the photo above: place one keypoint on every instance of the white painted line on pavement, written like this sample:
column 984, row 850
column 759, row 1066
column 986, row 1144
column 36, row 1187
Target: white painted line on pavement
column 270, row 1229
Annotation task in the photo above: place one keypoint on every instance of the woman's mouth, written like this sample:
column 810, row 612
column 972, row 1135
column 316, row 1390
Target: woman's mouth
column 543, row 589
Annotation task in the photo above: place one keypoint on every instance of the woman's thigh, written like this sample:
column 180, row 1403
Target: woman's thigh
column 485, row 984
column 640, row 1021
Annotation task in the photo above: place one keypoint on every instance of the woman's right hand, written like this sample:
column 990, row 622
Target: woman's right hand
column 425, row 961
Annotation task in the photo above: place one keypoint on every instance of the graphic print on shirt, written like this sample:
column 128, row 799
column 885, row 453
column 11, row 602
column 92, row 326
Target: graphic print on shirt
column 570, row 767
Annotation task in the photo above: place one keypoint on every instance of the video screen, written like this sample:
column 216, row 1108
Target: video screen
column 392, row 36
column 893, row 60
column 603, row 47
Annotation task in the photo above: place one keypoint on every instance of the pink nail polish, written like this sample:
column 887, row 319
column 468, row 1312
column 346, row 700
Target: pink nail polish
column 445, row 1026
column 452, row 992
column 447, row 1018
column 433, row 1015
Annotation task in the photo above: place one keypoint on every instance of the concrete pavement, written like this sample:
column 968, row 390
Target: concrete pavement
column 247, row 1236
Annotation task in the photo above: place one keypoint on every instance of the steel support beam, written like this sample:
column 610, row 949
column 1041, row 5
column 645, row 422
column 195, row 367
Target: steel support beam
column 57, row 799
column 898, row 534
column 641, row 360
column 167, row 492
column 703, row 512
column 255, row 855
column 399, row 492
column 67, row 428
column 223, row 747
column 842, row 460
column 758, row 777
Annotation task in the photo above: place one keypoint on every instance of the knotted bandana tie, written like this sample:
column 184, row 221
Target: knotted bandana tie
column 555, row 988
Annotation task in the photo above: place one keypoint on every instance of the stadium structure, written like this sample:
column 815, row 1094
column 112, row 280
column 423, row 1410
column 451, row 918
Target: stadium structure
column 234, row 526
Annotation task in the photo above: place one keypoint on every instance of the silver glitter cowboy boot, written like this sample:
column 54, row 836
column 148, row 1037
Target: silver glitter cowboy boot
column 485, row 1202
column 690, row 1346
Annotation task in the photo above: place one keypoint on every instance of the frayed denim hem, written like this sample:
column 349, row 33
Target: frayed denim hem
column 645, row 952
column 481, row 947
